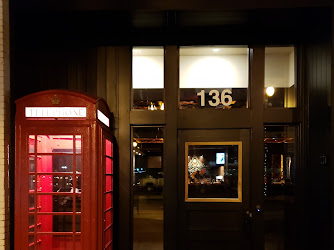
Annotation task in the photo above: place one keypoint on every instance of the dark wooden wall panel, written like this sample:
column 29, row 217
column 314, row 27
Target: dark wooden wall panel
column 318, row 193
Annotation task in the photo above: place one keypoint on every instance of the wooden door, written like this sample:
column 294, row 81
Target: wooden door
column 213, row 193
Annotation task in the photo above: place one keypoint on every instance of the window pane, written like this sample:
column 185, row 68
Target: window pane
column 109, row 218
column 148, row 185
column 148, row 78
column 109, row 183
column 55, row 144
column 78, row 144
column 32, row 183
column 56, row 241
column 31, row 223
column 31, row 203
column 109, row 166
column 279, row 186
column 213, row 77
column 32, row 164
column 280, row 77
column 213, row 170
column 108, row 201
column 56, row 163
column 55, row 203
column 54, row 183
column 109, row 148
column 31, row 144
column 108, row 235
column 55, row 223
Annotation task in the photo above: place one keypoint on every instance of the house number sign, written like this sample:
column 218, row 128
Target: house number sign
column 225, row 98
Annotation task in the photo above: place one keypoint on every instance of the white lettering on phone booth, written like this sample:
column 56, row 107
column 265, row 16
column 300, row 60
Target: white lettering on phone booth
column 55, row 112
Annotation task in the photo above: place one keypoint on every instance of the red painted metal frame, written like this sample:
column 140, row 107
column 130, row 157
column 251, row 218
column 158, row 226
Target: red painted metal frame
column 93, row 134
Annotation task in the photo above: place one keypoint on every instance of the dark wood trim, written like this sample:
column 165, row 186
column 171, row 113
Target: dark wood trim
column 139, row 117
column 124, row 88
column 171, row 75
column 101, row 65
column 257, row 54
column 282, row 115
column 112, row 86
column 211, row 118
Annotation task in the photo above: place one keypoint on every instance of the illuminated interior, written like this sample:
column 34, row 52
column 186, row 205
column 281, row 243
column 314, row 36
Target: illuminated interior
column 279, row 186
column 280, row 77
column 213, row 67
column 148, row 188
column 213, row 171
column 54, row 191
column 148, row 78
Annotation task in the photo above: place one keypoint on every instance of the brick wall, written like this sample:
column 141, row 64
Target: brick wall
column 4, row 123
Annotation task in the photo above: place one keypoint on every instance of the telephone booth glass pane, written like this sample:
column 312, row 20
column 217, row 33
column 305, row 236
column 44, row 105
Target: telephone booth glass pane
column 109, row 166
column 32, row 164
column 55, row 143
column 31, row 144
column 108, row 197
column 55, row 189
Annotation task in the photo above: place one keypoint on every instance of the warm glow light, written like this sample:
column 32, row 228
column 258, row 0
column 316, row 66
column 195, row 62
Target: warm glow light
column 214, row 71
column 134, row 144
column 270, row 91
column 147, row 72
column 215, row 50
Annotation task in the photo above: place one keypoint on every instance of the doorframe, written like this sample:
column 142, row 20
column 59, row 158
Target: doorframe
column 173, row 119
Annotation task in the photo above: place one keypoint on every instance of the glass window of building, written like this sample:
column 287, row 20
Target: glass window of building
column 148, row 78
column 280, row 77
column 213, row 77
column 280, row 149
column 148, row 185
column 213, row 171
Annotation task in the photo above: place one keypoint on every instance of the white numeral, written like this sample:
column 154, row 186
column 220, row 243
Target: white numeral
column 202, row 95
column 226, row 95
column 215, row 96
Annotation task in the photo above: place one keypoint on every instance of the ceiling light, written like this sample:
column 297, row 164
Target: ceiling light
column 134, row 144
column 136, row 51
column 270, row 91
column 215, row 50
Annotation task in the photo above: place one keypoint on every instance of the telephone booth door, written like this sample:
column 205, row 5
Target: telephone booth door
column 63, row 173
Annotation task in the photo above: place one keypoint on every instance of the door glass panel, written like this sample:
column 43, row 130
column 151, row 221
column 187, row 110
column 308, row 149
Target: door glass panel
column 213, row 171
column 31, row 144
column 54, row 183
column 148, row 184
column 56, row 242
column 213, row 77
column 60, row 203
column 57, row 170
column 32, row 183
column 31, row 223
column 32, row 164
column 148, row 78
column 280, row 77
column 78, row 144
column 279, row 187
column 55, row 143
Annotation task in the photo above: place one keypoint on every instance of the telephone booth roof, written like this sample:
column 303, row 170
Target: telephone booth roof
column 62, row 105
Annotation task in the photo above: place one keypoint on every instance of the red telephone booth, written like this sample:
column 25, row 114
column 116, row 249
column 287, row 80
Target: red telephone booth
column 63, row 172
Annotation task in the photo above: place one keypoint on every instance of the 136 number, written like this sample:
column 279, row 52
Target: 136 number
column 226, row 98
